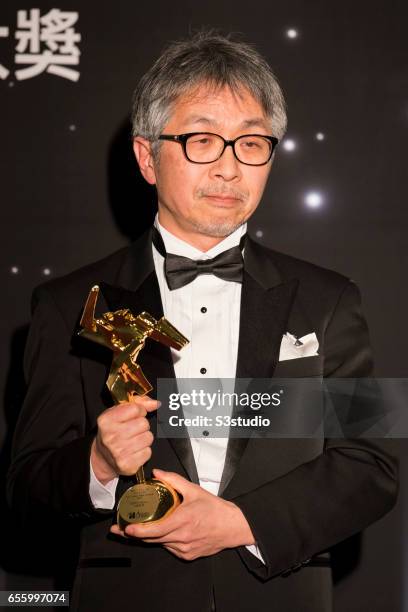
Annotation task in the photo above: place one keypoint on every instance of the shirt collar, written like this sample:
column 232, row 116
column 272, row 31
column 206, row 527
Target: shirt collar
column 180, row 247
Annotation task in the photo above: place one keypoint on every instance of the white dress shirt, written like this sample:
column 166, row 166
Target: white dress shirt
column 207, row 312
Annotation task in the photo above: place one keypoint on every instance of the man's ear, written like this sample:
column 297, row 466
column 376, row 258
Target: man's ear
column 143, row 152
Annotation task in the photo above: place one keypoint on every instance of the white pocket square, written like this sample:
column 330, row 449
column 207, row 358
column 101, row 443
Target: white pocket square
column 292, row 347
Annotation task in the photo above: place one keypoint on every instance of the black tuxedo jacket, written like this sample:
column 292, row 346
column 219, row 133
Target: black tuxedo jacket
column 300, row 496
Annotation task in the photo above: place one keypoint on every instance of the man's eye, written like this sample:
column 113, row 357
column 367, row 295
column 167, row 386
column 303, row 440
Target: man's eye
column 250, row 144
column 203, row 140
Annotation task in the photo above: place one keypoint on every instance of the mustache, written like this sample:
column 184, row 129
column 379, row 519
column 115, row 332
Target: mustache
column 225, row 192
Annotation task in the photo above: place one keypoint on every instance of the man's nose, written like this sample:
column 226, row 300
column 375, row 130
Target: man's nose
column 227, row 166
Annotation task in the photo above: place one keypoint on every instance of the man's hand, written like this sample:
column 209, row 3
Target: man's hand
column 202, row 525
column 123, row 441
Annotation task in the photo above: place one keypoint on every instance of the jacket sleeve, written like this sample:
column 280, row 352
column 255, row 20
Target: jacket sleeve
column 49, row 469
column 349, row 486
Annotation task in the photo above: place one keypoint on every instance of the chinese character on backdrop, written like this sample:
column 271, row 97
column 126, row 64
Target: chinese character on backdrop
column 4, row 72
column 45, row 43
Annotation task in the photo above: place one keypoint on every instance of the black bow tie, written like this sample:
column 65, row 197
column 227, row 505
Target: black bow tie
column 180, row 271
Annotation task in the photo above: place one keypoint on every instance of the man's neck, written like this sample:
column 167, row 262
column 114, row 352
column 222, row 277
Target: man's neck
column 202, row 242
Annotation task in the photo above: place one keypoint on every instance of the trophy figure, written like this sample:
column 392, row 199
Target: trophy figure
column 125, row 334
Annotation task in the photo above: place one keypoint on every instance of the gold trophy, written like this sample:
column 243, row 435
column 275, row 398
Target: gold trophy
column 148, row 500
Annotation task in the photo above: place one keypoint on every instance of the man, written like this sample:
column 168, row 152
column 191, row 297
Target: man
column 258, row 515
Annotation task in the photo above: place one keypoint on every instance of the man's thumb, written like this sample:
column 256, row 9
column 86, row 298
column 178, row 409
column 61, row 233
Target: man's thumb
column 178, row 482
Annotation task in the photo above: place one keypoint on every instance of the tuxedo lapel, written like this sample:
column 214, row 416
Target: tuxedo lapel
column 266, row 303
column 263, row 321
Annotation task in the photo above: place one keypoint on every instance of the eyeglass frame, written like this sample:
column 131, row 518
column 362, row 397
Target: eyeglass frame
column 182, row 139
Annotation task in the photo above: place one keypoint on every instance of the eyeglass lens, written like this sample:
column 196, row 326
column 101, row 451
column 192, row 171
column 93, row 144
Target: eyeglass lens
column 206, row 148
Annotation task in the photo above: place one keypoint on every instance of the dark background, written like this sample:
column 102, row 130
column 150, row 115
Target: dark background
column 71, row 193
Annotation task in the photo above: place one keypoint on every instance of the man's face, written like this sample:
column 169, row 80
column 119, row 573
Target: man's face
column 206, row 200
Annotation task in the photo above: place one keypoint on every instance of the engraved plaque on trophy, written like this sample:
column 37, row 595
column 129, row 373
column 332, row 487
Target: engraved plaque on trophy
column 125, row 334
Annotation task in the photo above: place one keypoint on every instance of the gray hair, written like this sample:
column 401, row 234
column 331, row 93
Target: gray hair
column 206, row 57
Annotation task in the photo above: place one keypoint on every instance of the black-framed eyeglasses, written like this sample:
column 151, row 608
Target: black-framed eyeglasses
column 206, row 147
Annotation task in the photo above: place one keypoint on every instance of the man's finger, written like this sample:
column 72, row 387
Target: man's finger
column 178, row 482
column 150, row 407
column 174, row 550
column 126, row 411
column 135, row 428
column 167, row 540
column 131, row 410
column 160, row 529
column 116, row 530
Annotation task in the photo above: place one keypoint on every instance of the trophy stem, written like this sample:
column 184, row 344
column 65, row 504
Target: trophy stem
column 140, row 477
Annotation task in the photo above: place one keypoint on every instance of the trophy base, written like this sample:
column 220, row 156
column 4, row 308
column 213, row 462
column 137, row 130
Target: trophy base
column 148, row 502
